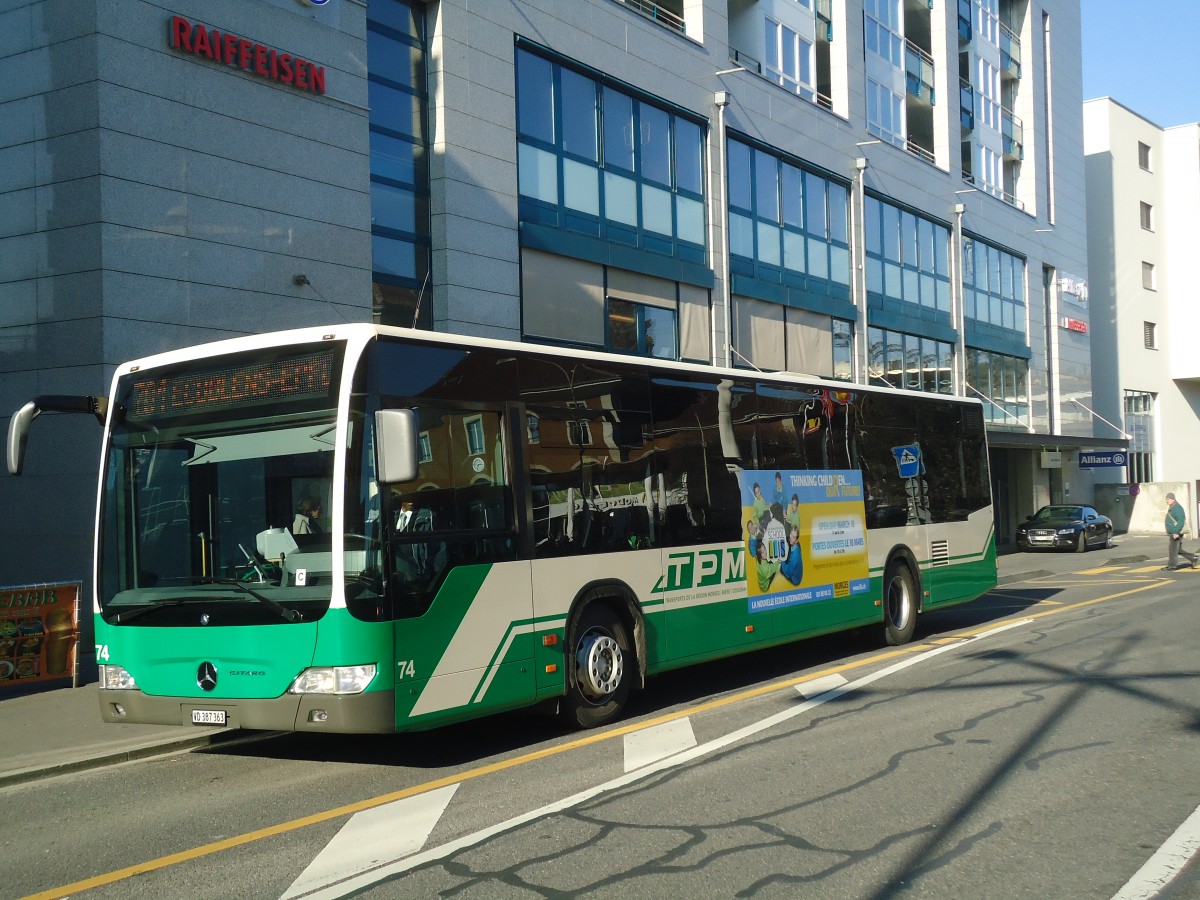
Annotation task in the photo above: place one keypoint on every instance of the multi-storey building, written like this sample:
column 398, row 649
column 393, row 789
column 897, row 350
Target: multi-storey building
column 1143, row 190
column 868, row 190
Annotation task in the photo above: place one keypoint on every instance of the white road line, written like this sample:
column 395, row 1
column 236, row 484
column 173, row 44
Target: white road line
column 372, row 838
column 652, row 744
column 819, row 686
column 1166, row 863
column 371, row 876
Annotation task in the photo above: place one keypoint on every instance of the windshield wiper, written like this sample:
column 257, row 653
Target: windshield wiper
column 287, row 614
column 151, row 607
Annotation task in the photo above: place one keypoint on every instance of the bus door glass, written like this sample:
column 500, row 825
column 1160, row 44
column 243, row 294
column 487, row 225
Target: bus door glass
column 458, row 511
column 591, row 466
column 704, row 435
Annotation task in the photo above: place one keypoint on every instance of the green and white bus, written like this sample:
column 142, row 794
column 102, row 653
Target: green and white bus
column 368, row 529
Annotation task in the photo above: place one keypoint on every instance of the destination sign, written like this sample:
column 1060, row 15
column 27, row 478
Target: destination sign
column 297, row 378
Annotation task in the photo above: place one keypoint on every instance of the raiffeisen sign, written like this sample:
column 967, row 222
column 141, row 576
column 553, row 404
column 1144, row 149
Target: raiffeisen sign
column 247, row 55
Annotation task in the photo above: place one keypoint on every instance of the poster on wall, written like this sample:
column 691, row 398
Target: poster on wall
column 805, row 534
column 39, row 628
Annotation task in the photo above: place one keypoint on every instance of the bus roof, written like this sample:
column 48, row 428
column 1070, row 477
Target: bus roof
column 358, row 334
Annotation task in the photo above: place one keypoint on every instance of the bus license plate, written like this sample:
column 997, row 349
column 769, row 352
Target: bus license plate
column 208, row 717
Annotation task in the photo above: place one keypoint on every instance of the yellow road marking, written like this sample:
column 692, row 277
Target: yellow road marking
column 1100, row 570
column 250, row 837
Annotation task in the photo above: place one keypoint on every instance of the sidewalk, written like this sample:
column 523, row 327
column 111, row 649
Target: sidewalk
column 59, row 731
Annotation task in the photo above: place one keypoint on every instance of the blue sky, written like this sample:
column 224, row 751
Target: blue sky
column 1145, row 56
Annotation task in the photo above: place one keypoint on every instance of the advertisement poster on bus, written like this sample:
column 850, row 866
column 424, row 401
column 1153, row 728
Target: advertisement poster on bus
column 38, row 633
column 805, row 534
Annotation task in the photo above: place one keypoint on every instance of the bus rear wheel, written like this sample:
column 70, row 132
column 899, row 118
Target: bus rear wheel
column 899, row 604
column 602, row 662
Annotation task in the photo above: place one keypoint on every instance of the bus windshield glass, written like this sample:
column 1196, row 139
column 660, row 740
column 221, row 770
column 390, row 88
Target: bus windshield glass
column 217, row 495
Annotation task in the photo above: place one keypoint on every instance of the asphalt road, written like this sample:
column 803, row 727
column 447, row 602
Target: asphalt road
column 1039, row 742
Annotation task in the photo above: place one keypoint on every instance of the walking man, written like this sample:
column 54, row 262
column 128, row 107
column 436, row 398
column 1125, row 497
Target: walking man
column 1175, row 522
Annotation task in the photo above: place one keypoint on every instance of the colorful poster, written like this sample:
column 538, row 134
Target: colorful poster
column 39, row 627
column 805, row 534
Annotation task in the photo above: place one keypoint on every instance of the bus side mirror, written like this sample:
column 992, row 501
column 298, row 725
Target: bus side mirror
column 396, row 454
column 18, row 426
column 18, row 433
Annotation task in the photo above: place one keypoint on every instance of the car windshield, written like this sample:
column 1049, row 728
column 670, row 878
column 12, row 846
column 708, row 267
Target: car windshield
column 1046, row 513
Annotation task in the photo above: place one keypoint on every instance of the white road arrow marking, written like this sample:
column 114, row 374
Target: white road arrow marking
column 374, row 838
column 659, row 742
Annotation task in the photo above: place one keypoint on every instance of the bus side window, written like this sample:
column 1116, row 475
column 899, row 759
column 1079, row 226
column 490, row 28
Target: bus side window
column 703, row 431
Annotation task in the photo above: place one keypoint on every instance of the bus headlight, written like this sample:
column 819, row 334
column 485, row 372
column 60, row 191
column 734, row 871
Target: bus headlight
column 333, row 680
column 115, row 678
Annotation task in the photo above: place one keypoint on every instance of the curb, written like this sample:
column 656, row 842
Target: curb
column 161, row 748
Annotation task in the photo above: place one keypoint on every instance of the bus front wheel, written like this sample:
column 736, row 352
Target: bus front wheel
column 602, row 662
column 899, row 604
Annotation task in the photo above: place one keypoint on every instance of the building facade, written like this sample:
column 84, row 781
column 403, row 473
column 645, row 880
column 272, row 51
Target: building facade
column 869, row 190
column 1143, row 186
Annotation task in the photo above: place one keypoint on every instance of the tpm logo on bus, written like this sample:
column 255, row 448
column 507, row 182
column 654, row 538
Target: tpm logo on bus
column 710, row 568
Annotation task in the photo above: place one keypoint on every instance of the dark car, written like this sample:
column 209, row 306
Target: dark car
column 1064, row 527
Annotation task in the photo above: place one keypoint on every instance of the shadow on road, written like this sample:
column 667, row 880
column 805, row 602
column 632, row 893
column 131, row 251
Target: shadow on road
column 508, row 733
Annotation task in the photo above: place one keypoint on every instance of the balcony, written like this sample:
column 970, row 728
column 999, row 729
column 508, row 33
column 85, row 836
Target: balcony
column 1010, row 53
column 964, row 21
column 1013, row 132
column 825, row 20
column 667, row 14
column 745, row 60
column 755, row 67
column 918, row 69
column 920, row 152
column 966, row 105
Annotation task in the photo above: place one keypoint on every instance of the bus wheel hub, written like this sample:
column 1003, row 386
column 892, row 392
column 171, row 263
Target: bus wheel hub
column 599, row 664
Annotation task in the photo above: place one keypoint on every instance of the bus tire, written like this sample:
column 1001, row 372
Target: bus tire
column 601, row 662
column 899, row 604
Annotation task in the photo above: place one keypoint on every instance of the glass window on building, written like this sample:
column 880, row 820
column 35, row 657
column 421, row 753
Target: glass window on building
column 843, row 350
column 994, row 287
column 1148, row 281
column 908, row 257
column 400, row 244
column 786, row 223
column 885, row 113
column 1139, row 425
column 642, row 330
column 1002, row 382
column 596, row 160
column 772, row 337
column 910, row 362
column 1144, row 156
column 788, row 58
column 882, row 30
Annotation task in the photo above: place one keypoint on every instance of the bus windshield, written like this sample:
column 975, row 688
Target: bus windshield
column 218, row 514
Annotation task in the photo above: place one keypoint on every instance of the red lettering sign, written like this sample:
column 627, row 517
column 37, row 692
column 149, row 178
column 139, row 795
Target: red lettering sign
column 1074, row 325
column 247, row 55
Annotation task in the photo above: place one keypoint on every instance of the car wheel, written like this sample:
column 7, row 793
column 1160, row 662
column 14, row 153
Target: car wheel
column 1081, row 544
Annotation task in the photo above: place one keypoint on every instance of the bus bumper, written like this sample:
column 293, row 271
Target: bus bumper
column 373, row 712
